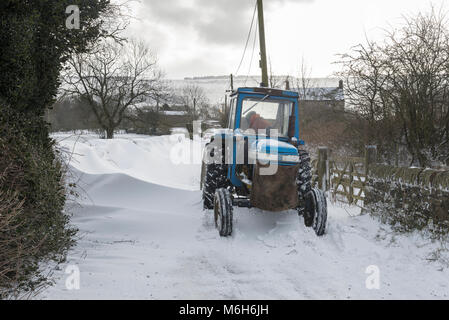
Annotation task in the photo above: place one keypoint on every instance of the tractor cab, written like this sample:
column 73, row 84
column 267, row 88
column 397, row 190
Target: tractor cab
column 263, row 111
column 268, row 121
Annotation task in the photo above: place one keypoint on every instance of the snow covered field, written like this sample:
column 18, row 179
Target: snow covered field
column 144, row 235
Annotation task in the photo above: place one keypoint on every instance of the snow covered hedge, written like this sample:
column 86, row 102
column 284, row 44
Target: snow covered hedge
column 409, row 198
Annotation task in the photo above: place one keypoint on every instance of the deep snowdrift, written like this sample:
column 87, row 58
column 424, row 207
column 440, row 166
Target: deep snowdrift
column 144, row 235
column 133, row 155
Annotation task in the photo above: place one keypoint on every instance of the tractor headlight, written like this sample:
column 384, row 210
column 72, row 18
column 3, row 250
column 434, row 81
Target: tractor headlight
column 294, row 159
column 266, row 157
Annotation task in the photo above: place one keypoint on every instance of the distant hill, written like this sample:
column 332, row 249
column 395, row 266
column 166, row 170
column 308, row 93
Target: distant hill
column 216, row 86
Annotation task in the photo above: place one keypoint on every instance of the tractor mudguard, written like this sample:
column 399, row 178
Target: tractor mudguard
column 277, row 192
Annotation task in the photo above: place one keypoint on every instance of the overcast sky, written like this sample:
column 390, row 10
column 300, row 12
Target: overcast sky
column 207, row 37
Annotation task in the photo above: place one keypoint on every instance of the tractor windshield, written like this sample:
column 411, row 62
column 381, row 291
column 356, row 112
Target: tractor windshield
column 267, row 113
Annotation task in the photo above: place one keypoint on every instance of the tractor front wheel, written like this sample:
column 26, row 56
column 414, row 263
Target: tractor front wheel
column 214, row 177
column 223, row 212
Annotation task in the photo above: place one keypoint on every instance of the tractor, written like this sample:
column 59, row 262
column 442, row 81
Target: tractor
column 259, row 161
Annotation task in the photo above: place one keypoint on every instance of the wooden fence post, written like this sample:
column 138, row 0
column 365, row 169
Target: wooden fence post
column 370, row 159
column 323, row 157
column 351, row 181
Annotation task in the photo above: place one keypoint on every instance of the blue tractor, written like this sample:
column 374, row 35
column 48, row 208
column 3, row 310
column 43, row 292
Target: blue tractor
column 259, row 161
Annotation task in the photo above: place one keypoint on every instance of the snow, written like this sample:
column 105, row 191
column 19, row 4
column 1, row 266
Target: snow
column 174, row 113
column 132, row 155
column 144, row 235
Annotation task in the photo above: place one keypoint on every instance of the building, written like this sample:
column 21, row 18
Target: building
column 322, row 97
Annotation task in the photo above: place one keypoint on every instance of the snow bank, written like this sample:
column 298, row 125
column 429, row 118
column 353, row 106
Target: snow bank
column 141, row 157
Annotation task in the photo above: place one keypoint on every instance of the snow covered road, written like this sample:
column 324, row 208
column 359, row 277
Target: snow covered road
column 144, row 235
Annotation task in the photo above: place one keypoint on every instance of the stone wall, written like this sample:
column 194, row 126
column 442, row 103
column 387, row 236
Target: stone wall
column 409, row 198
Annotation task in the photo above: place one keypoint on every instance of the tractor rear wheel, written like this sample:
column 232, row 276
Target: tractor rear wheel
column 316, row 208
column 304, row 183
column 223, row 212
column 215, row 177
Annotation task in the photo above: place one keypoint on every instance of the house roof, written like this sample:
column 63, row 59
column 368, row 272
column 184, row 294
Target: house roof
column 321, row 94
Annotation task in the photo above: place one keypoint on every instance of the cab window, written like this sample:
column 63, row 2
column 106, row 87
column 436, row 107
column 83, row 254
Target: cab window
column 266, row 113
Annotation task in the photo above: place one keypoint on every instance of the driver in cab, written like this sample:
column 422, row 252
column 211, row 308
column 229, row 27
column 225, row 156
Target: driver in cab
column 256, row 122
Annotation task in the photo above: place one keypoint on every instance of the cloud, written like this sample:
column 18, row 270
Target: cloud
column 222, row 22
column 199, row 37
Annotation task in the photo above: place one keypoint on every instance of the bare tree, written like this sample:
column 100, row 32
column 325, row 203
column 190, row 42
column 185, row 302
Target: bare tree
column 219, row 114
column 113, row 79
column 304, row 80
column 194, row 99
column 147, row 118
column 162, row 94
column 364, row 79
column 275, row 82
column 401, row 87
